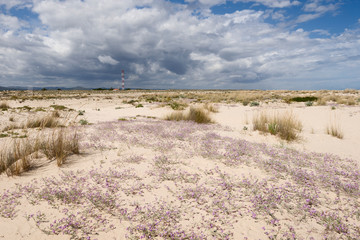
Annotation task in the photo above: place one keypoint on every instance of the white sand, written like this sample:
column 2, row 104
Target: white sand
column 230, row 121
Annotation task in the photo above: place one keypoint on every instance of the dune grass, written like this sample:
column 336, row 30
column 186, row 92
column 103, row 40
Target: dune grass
column 195, row 114
column 334, row 129
column 48, row 121
column 16, row 157
column 211, row 107
column 60, row 145
column 285, row 125
column 4, row 106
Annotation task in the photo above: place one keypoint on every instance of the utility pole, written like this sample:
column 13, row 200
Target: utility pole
column 122, row 79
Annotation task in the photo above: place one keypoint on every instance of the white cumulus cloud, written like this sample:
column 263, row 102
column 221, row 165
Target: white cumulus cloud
column 161, row 44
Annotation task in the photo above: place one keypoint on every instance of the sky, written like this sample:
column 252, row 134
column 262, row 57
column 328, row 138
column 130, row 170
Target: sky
column 181, row 44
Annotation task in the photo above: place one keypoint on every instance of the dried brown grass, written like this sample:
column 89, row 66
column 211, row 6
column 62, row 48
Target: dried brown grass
column 16, row 157
column 4, row 106
column 211, row 107
column 285, row 125
column 334, row 128
column 59, row 145
column 48, row 121
column 195, row 114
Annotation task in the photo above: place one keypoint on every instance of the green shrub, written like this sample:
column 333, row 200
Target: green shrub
column 58, row 107
column 84, row 122
column 254, row 104
column 304, row 99
column 3, row 135
column 309, row 103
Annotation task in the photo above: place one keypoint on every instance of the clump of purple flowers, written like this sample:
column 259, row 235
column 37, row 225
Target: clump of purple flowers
column 169, row 195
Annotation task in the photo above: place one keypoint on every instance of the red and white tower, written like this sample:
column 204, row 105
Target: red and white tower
column 122, row 79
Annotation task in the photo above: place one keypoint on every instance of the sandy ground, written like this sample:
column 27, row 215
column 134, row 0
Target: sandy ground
column 161, row 175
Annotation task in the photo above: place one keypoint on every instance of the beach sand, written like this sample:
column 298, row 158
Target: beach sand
column 139, row 176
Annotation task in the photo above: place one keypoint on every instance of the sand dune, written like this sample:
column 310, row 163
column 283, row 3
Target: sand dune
column 139, row 176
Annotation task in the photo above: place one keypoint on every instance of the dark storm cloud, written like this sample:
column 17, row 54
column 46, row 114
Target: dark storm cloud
column 160, row 44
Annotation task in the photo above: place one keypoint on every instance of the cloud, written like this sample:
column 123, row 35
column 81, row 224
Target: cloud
column 268, row 3
column 107, row 60
column 273, row 3
column 165, row 45
column 9, row 23
column 320, row 7
column 315, row 9
column 16, row 3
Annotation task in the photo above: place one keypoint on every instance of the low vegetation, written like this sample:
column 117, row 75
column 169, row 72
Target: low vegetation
column 17, row 156
column 211, row 107
column 4, row 106
column 334, row 129
column 58, row 107
column 46, row 121
column 59, row 145
column 284, row 125
column 177, row 106
column 195, row 114
column 304, row 99
column 281, row 192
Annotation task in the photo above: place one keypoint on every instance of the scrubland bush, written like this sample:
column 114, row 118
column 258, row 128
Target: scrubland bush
column 254, row 104
column 309, row 103
column 304, row 99
column 285, row 125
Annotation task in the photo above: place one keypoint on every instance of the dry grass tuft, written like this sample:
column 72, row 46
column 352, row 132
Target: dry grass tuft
column 199, row 115
column 211, row 107
column 285, row 125
column 15, row 158
column 48, row 121
column 4, row 106
column 9, row 127
column 334, row 129
column 55, row 114
column 196, row 114
column 176, row 116
column 60, row 145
